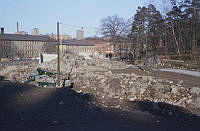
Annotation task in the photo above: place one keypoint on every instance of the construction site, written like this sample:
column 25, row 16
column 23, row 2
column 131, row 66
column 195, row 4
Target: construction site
column 100, row 65
column 105, row 93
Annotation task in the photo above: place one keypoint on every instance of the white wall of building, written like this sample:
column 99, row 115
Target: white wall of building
column 47, row 57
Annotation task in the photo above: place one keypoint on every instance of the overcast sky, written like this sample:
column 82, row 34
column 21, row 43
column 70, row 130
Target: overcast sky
column 44, row 14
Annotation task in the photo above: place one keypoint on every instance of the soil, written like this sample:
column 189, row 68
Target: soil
column 30, row 108
column 188, row 81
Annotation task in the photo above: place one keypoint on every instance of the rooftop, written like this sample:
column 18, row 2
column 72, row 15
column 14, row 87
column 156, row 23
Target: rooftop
column 18, row 37
column 77, row 43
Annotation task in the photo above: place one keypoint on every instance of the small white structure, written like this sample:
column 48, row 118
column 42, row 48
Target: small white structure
column 47, row 57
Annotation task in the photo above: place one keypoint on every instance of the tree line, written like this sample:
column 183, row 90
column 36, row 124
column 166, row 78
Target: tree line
column 151, row 33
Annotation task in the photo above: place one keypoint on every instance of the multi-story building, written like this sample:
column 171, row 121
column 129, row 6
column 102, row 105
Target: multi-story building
column 35, row 31
column 103, row 47
column 79, row 34
column 29, row 46
column 78, row 47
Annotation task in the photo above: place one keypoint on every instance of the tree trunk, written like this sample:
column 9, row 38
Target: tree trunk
column 177, row 44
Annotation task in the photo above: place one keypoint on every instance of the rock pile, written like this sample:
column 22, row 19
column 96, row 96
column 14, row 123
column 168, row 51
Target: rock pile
column 153, row 61
column 134, row 87
column 18, row 73
column 95, row 76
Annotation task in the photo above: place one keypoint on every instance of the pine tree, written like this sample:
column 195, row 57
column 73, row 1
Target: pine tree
column 147, row 30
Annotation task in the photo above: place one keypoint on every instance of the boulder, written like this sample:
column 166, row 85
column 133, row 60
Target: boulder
column 175, row 89
column 153, row 61
column 195, row 90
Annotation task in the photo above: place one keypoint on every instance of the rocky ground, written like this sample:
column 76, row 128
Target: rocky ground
column 109, row 92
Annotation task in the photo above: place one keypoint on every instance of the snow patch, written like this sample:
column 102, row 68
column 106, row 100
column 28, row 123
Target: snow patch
column 187, row 72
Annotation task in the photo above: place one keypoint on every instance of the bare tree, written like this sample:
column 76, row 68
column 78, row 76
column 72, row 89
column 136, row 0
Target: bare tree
column 116, row 29
column 115, row 26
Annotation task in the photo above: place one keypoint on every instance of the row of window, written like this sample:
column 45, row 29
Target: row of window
column 5, row 42
column 81, row 49
column 20, row 51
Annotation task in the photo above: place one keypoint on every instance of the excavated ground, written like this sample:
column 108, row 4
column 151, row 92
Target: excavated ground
column 107, row 95
column 25, row 107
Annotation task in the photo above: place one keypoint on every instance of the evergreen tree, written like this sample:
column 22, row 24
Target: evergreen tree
column 173, row 24
column 147, row 30
column 191, row 11
column 183, row 25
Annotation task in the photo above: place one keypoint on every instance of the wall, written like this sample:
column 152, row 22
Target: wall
column 85, row 51
column 104, row 48
column 47, row 57
column 28, row 49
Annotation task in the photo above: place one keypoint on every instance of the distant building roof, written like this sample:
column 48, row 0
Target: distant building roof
column 77, row 43
column 17, row 37
column 118, row 38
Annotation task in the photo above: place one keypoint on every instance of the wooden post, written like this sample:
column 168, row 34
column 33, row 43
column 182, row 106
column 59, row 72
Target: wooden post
column 58, row 57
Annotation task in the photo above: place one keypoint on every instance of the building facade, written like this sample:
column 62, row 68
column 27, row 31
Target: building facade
column 35, row 31
column 103, row 47
column 79, row 34
column 78, row 47
column 28, row 46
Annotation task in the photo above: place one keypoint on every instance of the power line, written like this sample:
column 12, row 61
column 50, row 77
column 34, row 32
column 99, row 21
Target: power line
column 82, row 27
column 70, row 25
column 88, row 29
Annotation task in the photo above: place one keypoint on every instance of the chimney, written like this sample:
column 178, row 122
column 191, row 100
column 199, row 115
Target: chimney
column 2, row 30
column 17, row 27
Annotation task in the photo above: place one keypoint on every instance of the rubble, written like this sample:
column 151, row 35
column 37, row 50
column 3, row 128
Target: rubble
column 195, row 91
column 153, row 61
column 128, row 86
column 96, row 76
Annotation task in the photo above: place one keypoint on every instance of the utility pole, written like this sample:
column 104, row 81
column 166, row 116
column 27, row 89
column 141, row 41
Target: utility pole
column 58, row 57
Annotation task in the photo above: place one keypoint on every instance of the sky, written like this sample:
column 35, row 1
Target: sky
column 44, row 14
